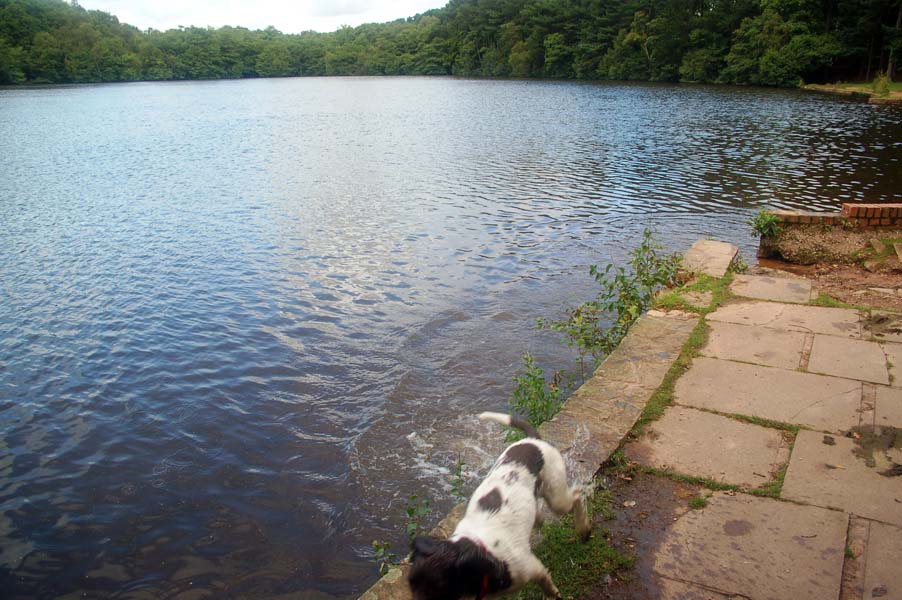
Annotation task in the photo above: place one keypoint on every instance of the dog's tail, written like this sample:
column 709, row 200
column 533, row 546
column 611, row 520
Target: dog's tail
column 511, row 421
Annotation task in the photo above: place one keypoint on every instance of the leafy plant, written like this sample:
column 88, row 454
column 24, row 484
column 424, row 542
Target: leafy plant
column 765, row 225
column 457, row 480
column 534, row 398
column 417, row 510
column 595, row 328
column 384, row 557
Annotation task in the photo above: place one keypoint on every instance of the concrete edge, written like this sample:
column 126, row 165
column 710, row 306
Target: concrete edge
column 710, row 257
column 598, row 416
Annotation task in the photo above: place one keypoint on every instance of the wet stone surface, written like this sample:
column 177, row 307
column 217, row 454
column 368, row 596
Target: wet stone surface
column 854, row 474
column 852, row 359
column 757, row 345
column 757, row 547
column 637, row 530
column 747, row 455
column 710, row 257
column 841, row 322
column 775, row 289
column 816, row 401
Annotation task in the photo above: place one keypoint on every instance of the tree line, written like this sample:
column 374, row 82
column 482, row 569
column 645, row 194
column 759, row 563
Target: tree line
column 758, row 42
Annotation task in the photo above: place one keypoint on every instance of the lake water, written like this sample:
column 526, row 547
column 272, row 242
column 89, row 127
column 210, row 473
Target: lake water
column 241, row 322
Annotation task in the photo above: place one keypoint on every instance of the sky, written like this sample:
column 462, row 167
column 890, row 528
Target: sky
column 284, row 15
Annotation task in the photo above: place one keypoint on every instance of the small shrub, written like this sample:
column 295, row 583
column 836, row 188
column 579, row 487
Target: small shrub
column 534, row 398
column 417, row 510
column 595, row 327
column 881, row 85
column 457, row 481
column 739, row 265
column 765, row 225
column 384, row 557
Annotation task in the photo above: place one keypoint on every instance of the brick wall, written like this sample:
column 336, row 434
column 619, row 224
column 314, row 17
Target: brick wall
column 864, row 216
column 873, row 215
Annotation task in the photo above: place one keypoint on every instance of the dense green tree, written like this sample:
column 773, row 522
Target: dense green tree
column 760, row 42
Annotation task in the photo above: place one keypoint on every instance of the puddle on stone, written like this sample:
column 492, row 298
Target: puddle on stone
column 879, row 447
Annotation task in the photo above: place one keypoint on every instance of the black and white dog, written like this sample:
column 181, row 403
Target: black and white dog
column 489, row 553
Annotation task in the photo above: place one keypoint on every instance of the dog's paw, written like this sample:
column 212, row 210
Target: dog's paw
column 585, row 535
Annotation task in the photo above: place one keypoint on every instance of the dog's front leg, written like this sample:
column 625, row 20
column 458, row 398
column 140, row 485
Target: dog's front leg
column 538, row 573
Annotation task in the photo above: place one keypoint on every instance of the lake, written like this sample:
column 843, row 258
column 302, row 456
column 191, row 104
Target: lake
column 241, row 322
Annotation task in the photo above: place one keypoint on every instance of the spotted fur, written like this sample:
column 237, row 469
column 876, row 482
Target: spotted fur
column 489, row 552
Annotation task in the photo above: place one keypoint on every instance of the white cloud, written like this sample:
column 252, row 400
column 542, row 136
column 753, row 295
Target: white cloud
column 286, row 16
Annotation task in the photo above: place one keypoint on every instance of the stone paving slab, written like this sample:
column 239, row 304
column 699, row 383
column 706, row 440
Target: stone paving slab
column 775, row 289
column 682, row 440
column 883, row 557
column 889, row 407
column 817, row 401
column 758, row 345
column 841, row 322
column 893, row 354
column 832, row 472
column 670, row 589
column 710, row 257
column 596, row 418
column 757, row 547
column 853, row 359
column 647, row 353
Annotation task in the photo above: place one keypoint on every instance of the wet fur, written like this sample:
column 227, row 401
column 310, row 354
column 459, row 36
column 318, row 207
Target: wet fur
column 489, row 550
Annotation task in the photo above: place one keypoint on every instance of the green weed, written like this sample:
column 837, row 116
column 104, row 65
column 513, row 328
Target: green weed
column 831, row 302
column 765, row 225
column 458, row 491
column 773, row 488
column 698, row 502
column 534, row 398
column 595, row 328
column 417, row 510
column 384, row 557
column 575, row 566
column 711, row 484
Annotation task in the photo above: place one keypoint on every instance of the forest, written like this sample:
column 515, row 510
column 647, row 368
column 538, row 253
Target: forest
column 744, row 42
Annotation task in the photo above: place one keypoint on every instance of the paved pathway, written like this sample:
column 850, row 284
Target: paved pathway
column 835, row 532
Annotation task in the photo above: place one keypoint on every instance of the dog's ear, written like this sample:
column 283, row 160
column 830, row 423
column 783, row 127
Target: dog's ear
column 423, row 546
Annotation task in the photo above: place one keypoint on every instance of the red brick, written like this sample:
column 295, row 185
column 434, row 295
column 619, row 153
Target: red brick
column 886, row 221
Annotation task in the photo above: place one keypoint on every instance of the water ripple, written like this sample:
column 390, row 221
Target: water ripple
column 241, row 322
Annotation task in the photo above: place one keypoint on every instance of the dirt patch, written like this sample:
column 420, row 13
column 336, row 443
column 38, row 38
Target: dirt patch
column 851, row 284
column 644, row 507
column 816, row 244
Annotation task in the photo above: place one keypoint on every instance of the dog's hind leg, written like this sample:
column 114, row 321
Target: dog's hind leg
column 562, row 498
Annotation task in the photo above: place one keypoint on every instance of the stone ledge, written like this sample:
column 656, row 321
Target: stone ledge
column 710, row 257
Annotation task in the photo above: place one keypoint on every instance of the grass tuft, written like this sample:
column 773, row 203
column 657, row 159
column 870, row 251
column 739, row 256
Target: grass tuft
column 711, row 484
column 698, row 502
column 576, row 566
column 831, row 302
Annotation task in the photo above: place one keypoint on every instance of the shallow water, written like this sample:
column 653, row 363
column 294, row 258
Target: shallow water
column 242, row 322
